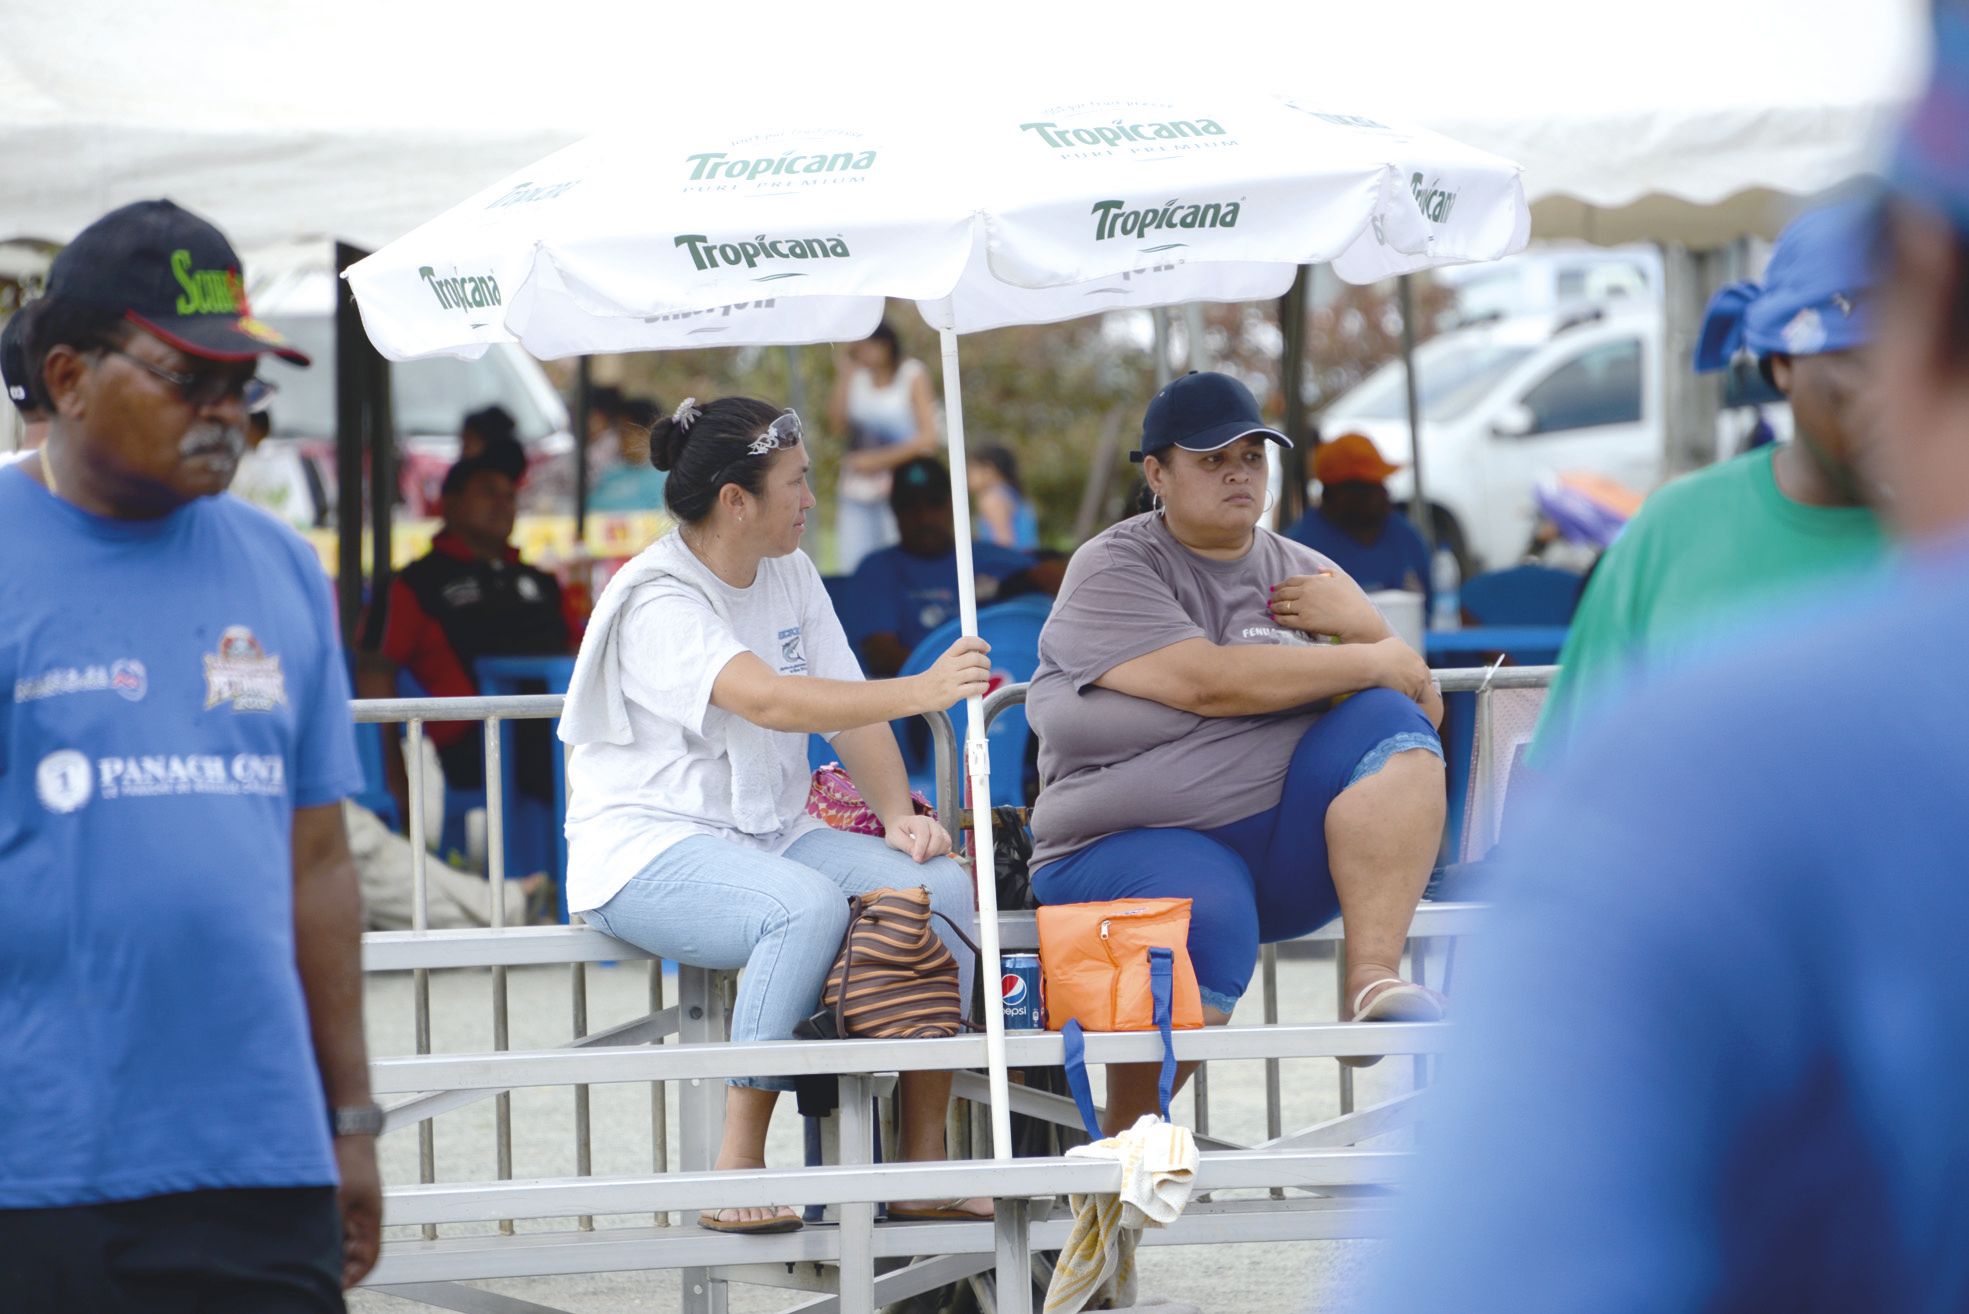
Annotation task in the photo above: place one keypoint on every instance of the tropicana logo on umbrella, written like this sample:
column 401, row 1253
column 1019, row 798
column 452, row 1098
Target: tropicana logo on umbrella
column 526, row 194
column 466, row 292
column 1435, row 202
column 1118, row 133
column 1115, row 219
column 716, row 164
column 709, row 254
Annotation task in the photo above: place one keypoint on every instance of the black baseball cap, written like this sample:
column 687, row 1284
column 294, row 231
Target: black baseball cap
column 921, row 482
column 173, row 275
column 1202, row 412
column 13, row 362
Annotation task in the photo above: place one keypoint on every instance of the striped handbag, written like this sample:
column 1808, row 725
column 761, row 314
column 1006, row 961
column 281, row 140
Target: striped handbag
column 893, row 978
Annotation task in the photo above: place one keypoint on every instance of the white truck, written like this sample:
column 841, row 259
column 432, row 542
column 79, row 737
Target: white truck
column 1507, row 401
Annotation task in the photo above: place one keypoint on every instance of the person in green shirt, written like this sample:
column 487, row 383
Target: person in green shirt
column 1709, row 555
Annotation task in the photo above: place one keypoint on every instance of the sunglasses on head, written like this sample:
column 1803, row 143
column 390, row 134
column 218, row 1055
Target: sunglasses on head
column 782, row 432
column 207, row 387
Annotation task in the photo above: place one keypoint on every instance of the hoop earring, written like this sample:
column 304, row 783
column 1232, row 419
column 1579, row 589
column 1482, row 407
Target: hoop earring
column 1156, row 503
column 1271, row 501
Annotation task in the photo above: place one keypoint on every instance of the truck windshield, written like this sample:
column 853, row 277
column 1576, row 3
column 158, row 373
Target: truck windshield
column 1452, row 377
column 428, row 397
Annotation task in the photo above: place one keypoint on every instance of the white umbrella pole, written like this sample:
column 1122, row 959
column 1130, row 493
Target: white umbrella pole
column 977, row 762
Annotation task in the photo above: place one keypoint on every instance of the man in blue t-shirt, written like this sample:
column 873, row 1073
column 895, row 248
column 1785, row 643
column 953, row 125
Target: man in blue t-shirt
column 1355, row 524
column 899, row 594
column 1711, row 1050
column 181, row 1044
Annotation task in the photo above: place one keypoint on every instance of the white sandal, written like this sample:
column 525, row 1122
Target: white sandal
column 1403, row 1001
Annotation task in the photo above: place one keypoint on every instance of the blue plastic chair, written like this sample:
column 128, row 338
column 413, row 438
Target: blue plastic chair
column 1012, row 629
column 1523, row 595
column 457, row 802
column 375, row 793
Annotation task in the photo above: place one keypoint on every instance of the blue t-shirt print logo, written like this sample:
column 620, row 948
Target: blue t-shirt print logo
column 791, row 660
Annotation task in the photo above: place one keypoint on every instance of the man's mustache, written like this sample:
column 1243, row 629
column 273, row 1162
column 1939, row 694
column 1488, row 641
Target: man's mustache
column 213, row 440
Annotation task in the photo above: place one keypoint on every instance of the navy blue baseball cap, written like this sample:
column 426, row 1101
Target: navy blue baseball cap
column 13, row 362
column 171, row 274
column 1202, row 412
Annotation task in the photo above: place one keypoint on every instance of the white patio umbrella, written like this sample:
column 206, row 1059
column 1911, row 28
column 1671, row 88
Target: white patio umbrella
column 781, row 227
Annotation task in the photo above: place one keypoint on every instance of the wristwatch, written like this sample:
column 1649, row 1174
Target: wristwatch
column 357, row 1120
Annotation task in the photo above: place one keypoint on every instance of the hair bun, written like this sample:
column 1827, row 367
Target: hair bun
column 666, row 443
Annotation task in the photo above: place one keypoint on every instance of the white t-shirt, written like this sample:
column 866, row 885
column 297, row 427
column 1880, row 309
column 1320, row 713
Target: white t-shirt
column 630, row 802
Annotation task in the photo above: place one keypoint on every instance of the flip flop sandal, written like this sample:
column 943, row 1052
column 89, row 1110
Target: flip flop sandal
column 713, row 1222
column 1402, row 1001
column 948, row 1211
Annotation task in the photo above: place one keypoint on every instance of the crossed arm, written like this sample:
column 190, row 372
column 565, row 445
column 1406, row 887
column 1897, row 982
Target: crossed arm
column 1211, row 679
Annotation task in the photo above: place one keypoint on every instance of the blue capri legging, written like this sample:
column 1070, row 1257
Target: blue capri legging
column 1263, row 878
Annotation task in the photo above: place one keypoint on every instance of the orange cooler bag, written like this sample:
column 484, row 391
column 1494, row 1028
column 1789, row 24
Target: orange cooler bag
column 1094, row 961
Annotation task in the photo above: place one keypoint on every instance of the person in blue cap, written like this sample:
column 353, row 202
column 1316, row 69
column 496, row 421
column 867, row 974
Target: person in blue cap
column 1711, row 553
column 1710, row 1047
column 189, row 1121
column 899, row 594
column 1224, row 717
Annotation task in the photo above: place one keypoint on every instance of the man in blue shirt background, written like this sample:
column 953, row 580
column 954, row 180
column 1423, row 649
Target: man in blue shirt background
column 899, row 594
column 181, row 1044
column 1710, row 1052
column 1355, row 524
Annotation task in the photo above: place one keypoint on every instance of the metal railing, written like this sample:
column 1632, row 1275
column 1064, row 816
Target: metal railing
column 1346, row 1181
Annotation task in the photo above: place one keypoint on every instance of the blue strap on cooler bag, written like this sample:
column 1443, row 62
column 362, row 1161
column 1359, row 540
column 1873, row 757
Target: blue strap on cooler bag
column 1162, row 978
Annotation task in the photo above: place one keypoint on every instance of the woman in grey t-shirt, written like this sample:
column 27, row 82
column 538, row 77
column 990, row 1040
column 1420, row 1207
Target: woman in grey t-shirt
column 1225, row 717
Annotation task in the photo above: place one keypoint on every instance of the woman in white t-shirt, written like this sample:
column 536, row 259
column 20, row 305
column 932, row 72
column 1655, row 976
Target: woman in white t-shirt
column 882, row 402
column 710, row 659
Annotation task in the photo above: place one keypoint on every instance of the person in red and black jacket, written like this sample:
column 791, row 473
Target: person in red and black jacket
column 470, row 597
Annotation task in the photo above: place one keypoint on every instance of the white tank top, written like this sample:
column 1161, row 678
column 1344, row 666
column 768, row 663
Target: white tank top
column 878, row 416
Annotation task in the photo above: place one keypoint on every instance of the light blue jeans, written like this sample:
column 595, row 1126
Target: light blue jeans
column 712, row 903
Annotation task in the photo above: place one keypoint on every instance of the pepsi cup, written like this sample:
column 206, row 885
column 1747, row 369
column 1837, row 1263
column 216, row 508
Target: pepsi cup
column 1019, row 986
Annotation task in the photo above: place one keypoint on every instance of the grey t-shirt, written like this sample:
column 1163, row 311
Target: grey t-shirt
column 1114, row 762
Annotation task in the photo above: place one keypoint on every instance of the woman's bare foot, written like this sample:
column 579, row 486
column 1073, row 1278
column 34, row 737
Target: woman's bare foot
column 751, row 1218
column 747, row 1218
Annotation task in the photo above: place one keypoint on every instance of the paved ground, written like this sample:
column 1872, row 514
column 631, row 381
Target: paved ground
column 1222, row 1279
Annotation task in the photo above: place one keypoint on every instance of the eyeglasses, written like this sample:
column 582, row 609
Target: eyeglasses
column 209, row 387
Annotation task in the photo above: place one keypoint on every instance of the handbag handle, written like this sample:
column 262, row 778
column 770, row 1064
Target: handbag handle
column 1162, row 977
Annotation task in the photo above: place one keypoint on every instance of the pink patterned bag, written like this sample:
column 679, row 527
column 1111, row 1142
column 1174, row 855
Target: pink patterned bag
column 834, row 799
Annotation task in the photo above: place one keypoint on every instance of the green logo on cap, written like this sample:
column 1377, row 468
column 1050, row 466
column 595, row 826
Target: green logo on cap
column 207, row 291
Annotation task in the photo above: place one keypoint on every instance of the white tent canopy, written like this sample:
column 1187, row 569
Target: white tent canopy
column 1688, row 120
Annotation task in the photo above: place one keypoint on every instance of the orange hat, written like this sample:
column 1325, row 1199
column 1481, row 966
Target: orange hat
column 1351, row 456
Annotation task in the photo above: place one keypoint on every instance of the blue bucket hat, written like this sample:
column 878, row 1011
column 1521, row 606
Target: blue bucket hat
column 1812, row 299
column 1931, row 158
